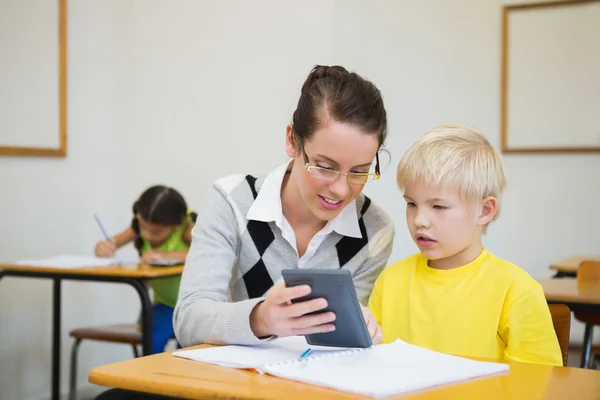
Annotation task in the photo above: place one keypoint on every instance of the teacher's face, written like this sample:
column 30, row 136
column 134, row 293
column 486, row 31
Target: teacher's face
column 334, row 146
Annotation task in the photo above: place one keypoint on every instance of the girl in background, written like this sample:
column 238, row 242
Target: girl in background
column 161, row 229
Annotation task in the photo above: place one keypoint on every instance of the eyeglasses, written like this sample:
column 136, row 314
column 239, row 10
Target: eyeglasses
column 327, row 174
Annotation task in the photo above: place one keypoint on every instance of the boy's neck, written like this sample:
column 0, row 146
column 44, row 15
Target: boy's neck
column 460, row 259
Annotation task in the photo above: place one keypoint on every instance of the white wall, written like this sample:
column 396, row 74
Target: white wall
column 439, row 61
column 213, row 83
column 174, row 92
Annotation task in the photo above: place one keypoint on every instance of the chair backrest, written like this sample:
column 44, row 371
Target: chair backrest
column 561, row 318
column 589, row 271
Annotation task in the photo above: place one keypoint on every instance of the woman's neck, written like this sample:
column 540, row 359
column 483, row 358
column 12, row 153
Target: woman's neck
column 294, row 209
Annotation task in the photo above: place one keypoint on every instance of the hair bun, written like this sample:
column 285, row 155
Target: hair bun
column 322, row 71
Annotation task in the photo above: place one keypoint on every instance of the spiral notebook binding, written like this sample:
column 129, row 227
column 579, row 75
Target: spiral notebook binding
column 313, row 358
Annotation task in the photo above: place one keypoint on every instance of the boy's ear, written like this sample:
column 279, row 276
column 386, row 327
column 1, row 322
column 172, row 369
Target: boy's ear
column 489, row 207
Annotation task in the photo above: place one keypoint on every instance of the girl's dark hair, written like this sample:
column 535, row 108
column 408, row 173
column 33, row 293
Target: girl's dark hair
column 160, row 205
column 333, row 92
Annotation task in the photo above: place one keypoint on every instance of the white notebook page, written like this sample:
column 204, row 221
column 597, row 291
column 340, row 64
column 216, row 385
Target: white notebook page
column 384, row 370
column 255, row 357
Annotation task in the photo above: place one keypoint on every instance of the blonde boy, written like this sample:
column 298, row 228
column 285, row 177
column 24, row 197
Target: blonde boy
column 454, row 296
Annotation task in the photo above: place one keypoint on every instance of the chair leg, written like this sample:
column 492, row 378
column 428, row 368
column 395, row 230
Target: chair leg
column 135, row 350
column 73, row 377
column 586, row 351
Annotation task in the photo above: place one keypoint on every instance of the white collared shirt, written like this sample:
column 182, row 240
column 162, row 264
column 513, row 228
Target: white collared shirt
column 267, row 208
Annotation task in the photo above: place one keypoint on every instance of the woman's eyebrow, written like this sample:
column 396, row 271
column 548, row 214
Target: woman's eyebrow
column 332, row 161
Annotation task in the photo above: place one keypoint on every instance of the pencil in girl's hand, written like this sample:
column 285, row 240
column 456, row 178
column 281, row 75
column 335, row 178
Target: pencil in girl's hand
column 102, row 228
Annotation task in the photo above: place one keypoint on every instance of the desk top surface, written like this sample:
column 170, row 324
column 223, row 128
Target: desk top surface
column 142, row 271
column 571, row 264
column 568, row 290
column 168, row 375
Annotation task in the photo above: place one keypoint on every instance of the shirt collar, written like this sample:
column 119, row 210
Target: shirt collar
column 267, row 207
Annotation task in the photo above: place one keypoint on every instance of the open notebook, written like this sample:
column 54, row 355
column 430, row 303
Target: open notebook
column 379, row 371
column 68, row 261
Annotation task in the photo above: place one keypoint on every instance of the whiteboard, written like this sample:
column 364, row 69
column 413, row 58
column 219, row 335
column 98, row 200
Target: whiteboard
column 553, row 77
column 30, row 82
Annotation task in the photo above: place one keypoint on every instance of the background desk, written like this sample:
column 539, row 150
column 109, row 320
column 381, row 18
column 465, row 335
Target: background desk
column 134, row 275
column 582, row 297
column 569, row 266
column 578, row 297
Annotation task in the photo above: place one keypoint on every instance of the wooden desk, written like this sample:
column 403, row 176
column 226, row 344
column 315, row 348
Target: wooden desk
column 579, row 297
column 181, row 378
column 569, row 266
column 134, row 275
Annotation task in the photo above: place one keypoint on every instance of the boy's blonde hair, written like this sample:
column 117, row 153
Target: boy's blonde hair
column 458, row 157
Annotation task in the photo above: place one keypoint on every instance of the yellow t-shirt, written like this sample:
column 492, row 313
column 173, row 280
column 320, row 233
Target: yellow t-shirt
column 488, row 308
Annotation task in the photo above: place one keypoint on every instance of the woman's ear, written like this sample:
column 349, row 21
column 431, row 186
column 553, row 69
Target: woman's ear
column 291, row 147
column 488, row 210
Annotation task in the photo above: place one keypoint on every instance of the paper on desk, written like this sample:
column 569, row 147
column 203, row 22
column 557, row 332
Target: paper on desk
column 385, row 370
column 68, row 261
column 256, row 356
column 379, row 371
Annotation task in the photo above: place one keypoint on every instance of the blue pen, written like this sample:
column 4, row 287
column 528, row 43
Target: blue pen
column 306, row 354
column 102, row 228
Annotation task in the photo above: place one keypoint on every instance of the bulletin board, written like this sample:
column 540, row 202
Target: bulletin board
column 550, row 93
column 33, row 78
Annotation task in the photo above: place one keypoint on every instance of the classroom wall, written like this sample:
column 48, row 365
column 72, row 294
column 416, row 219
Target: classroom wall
column 183, row 92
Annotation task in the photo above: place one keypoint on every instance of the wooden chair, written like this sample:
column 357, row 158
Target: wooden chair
column 595, row 357
column 588, row 272
column 130, row 334
column 119, row 333
column 561, row 318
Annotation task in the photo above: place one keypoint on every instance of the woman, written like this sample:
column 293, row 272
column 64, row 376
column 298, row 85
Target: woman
column 308, row 213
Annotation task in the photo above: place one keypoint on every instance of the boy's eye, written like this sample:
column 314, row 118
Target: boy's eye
column 411, row 204
column 437, row 207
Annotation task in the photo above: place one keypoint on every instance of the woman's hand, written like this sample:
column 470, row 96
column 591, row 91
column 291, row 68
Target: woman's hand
column 276, row 315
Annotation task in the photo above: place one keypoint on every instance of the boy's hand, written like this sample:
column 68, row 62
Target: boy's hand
column 276, row 315
column 372, row 325
column 152, row 255
column 105, row 248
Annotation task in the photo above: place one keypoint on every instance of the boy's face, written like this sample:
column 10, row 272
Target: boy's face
column 445, row 228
